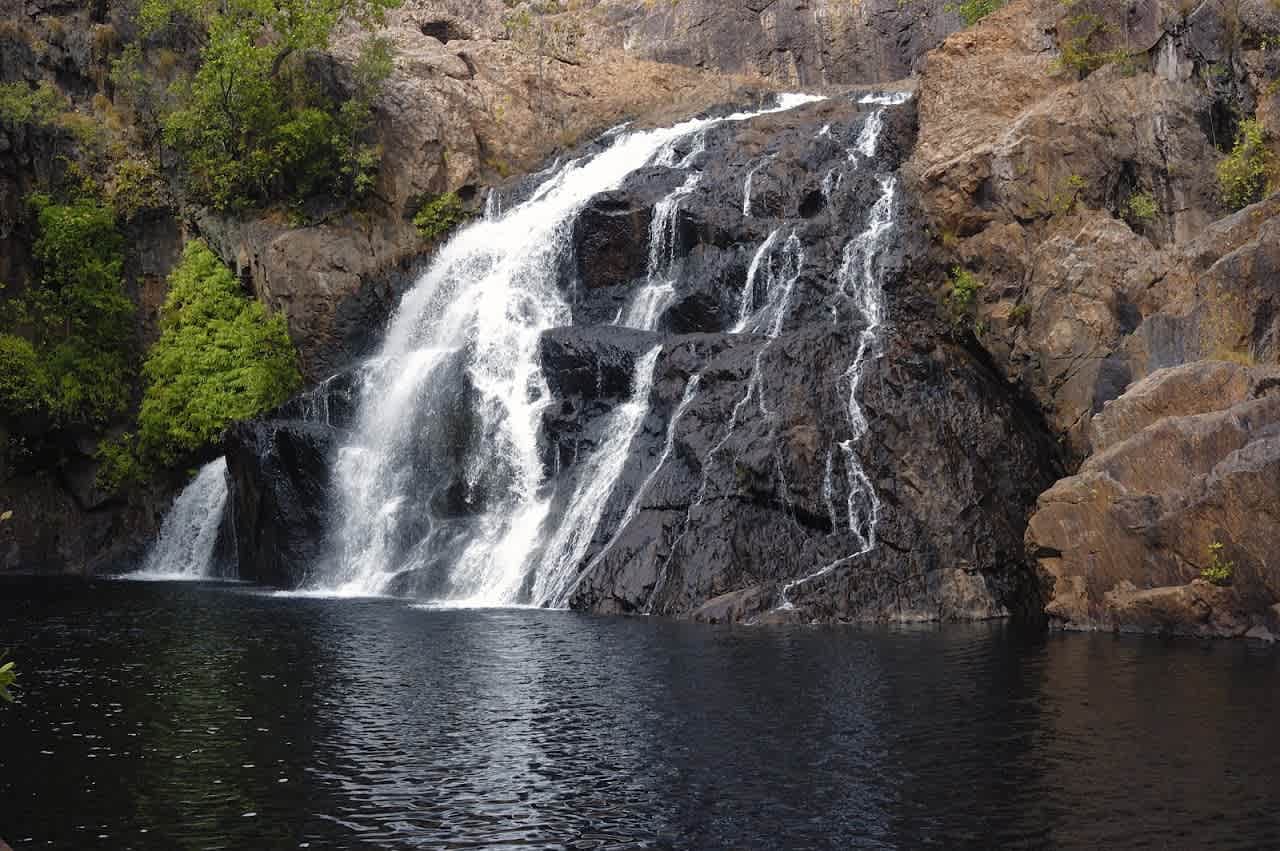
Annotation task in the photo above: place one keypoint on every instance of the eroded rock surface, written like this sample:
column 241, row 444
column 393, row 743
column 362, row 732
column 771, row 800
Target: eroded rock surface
column 1136, row 336
column 1193, row 462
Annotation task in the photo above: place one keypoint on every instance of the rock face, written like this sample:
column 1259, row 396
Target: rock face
column 808, row 43
column 1136, row 335
column 278, row 470
column 1192, row 462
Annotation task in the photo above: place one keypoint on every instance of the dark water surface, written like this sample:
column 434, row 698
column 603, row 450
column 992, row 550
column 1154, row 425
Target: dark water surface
column 176, row 716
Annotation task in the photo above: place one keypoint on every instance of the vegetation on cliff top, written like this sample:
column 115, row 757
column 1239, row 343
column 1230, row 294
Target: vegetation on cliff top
column 250, row 125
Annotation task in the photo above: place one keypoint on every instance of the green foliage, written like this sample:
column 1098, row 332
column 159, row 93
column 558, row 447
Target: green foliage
column 119, row 463
column 972, row 11
column 1246, row 173
column 1064, row 198
column 24, row 385
column 1219, row 571
column 1141, row 207
column 439, row 215
column 1078, row 54
column 1020, row 314
column 134, row 186
column 962, row 294
column 8, row 674
column 248, row 125
column 220, row 359
column 21, row 104
column 72, row 360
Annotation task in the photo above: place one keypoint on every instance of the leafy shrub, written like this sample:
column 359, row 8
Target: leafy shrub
column 1020, row 314
column 1218, row 571
column 134, row 186
column 24, row 385
column 1141, row 207
column 1246, row 173
column 72, row 362
column 1078, row 54
column 220, row 358
column 439, row 215
column 249, row 126
column 972, row 11
column 962, row 294
column 21, row 104
column 119, row 463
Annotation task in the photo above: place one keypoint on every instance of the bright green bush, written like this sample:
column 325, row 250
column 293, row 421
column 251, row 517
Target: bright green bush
column 439, row 215
column 24, row 385
column 963, row 291
column 1142, row 207
column 1246, row 173
column 1219, row 571
column 972, row 11
column 119, row 463
column 220, row 358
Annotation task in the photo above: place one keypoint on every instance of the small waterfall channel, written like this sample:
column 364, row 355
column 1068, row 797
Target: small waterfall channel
column 188, row 536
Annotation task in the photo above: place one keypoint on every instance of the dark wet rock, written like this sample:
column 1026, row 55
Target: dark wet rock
column 593, row 362
column 279, row 474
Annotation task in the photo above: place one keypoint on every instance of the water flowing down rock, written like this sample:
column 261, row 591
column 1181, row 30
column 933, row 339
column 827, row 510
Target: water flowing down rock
column 188, row 544
column 622, row 394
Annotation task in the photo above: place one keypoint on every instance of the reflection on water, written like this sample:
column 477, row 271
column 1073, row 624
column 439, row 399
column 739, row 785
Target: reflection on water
column 190, row 716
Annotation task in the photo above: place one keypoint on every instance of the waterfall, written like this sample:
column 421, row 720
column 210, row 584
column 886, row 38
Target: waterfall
column 441, row 480
column 859, row 279
column 746, row 185
column 569, row 543
column 185, row 547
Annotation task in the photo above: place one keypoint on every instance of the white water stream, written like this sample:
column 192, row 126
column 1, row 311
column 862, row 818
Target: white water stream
column 185, row 547
column 471, row 326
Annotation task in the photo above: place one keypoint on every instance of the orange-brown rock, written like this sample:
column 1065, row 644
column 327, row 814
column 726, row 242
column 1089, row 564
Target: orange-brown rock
column 1193, row 461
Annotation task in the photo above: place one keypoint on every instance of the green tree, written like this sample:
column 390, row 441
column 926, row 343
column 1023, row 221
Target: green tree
column 220, row 358
column 249, row 126
column 72, row 359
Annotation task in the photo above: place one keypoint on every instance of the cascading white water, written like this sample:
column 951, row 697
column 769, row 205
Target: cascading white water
column 659, row 291
column 568, row 544
column 746, row 185
column 460, row 368
column 185, row 547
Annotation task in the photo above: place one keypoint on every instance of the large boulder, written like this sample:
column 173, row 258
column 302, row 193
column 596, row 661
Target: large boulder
column 1190, row 476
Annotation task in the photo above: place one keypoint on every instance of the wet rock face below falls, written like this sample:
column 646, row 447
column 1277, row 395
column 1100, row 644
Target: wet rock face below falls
column 822, row 453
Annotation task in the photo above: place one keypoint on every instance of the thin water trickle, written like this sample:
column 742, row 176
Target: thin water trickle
column 568, row 544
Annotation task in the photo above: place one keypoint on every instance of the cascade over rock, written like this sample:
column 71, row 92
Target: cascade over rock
column 655, row 403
